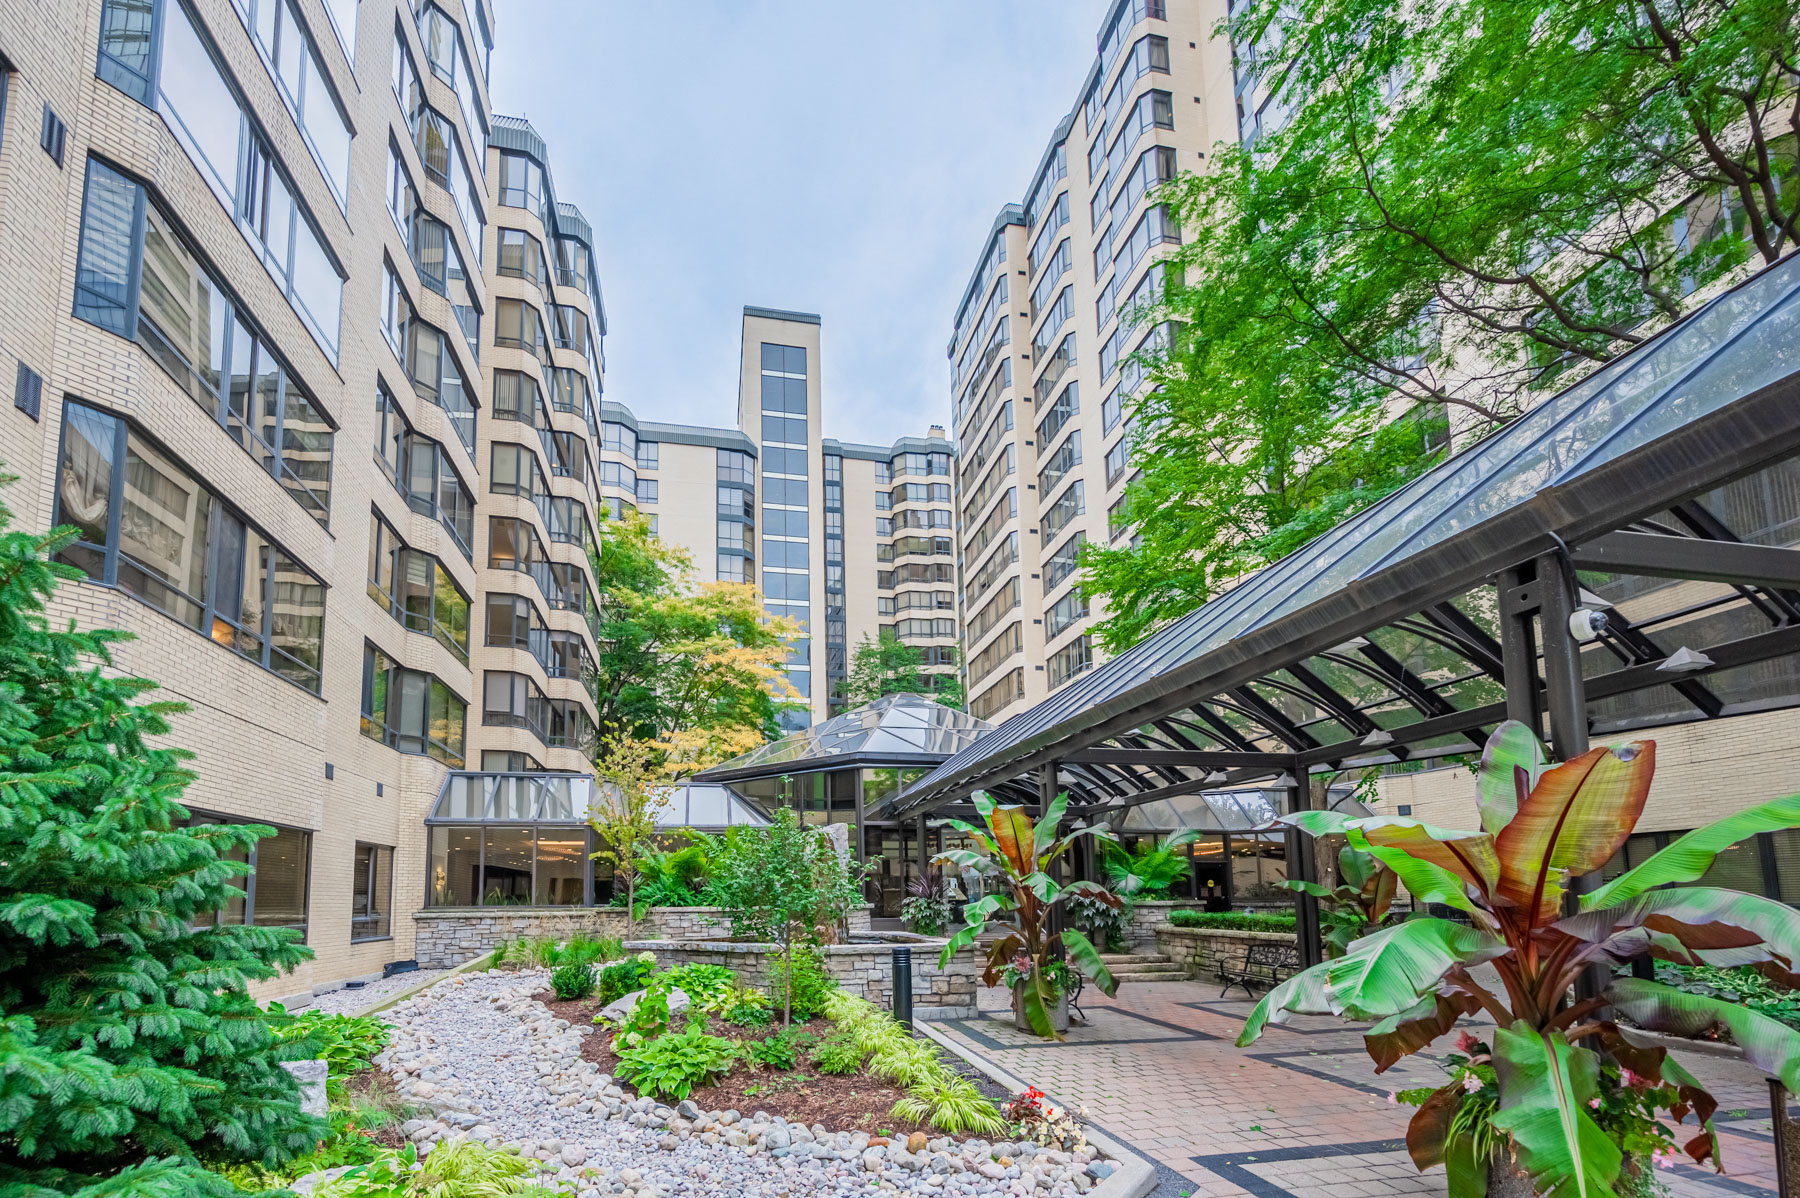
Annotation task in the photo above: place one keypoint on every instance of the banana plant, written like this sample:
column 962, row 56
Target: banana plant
column 1017, row 852
column 1357, row 903
column 1541, row 824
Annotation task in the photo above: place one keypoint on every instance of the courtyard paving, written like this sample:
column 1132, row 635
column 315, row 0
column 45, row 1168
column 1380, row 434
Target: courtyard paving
column 1300, row 1113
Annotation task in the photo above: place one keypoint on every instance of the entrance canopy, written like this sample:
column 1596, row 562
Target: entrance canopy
column 1662, row 490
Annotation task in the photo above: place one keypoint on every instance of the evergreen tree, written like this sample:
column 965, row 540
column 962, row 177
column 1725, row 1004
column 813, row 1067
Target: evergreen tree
column 130, row 1048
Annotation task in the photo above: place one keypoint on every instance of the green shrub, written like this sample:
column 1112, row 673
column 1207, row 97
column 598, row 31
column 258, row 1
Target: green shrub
column 778, row 1050
column 838, row 1054
column 347, row 1042
column 749, row 1008
column 908, row 1063
column 462, row 1169
column 1233, row 921
column 1743, row 987
column 812, row 985
column 583, row 949
column 649, row 1017
column 622, row 977
column 672, row 1064
column 572, row 981
column 952, row 1105
column 709, row 986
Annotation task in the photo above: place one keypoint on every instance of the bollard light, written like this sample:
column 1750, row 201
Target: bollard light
column 903, row 985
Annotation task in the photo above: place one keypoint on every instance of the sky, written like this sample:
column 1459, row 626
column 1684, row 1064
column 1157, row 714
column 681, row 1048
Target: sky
column 845, row 158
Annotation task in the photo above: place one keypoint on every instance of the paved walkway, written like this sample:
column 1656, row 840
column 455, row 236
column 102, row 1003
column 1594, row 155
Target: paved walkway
column 1301, row 1112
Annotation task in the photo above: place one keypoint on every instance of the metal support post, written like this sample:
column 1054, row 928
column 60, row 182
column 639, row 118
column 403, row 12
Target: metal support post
column 1565, row 697
column 1518, row 644
column 1302, row 866
column 1059, row 916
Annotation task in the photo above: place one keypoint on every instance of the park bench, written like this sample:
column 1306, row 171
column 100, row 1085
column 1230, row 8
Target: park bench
column 1263, row 965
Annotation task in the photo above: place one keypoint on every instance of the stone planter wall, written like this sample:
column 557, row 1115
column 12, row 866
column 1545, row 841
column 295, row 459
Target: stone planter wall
column 1200, row 951
column 1147, row 916
column 866, row 970
column 447, row 936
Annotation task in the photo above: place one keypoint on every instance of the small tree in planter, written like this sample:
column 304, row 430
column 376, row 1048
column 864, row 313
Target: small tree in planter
column 786, row 883
column 1017, row 853
column 1538, row 1103
column 633, row 788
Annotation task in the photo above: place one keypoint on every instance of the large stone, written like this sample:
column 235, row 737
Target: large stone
column 620, row 1010
column 311, row 1075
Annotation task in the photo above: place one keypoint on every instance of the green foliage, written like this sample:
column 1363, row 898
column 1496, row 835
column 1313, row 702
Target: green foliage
column 951, row 1104
column 1359, row 902
column 573, row 981
column 1148, row 870
column 649, row 1016
column 838, row 1054
column 129, row 1037
column 583, row 949
column 889, row 666
column 694, row 666
column 778, row 1050
column 711, row 988
column 346, row 1042
column 1233, row 921
column 747, row 1007
column 458, row 1169
column 672, row 1064
column 1743, row 986
column 672, row 877
column 810, row 983
column 622, row 977
column 1406, row 243
column 926, row 908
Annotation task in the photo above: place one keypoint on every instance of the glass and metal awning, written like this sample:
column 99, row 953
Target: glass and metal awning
column 902, row 729
column 1668, row 483
column 572, row 798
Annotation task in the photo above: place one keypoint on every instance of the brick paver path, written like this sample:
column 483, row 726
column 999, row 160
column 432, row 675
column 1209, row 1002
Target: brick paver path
column 1301, row 1112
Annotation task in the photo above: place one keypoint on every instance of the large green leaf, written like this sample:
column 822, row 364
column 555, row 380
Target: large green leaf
column 1045, row 834
column 1320, row 823
column 1574, row 820
column 1425, row 881
column 1302, row 994
column 1545, row 1085
column 961, row 859
column 1511, row 763
column 1691, row 855
column 1719, row 927
column 964, row 937
column 1036, row 998
column 1417, row 1026
column 1469, row 855
column 1094, row 890
column 1042, row 885
column 1312, row 888
column 1770, row 1046
column 1388, row 971
column 1086, row 958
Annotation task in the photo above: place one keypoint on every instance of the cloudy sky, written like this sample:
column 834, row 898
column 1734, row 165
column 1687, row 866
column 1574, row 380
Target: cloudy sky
column 839, row 158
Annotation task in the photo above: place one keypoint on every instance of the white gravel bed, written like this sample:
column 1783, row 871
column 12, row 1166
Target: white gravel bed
column 346, row 1001
column 496, row 1066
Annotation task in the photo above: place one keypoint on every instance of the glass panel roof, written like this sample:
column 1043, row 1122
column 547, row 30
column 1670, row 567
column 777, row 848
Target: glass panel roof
column 1215, row 811
column 571, row 798
column 902, row 726
column 1445, row 659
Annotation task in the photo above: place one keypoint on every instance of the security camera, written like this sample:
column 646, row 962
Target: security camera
column 1585, row 624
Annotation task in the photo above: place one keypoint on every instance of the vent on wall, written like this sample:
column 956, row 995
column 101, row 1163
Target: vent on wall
column 28, row 391
column 53, row 134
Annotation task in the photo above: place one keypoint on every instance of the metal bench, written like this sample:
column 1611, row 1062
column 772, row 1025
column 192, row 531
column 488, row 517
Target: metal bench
column 1075, row 995
column 1263, row 964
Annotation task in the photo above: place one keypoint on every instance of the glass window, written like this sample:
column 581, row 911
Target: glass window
column 178, row 549
column 371, row 892
column 506, row 867
column 293, row 59
column 562, row 857
column 411, row 711
column 194, row 332
column 283, row 865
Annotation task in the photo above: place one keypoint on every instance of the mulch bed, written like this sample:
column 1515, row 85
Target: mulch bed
column 851, row 1102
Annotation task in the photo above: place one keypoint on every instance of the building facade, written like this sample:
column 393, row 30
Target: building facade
column 253, row 241
column 1041, row 353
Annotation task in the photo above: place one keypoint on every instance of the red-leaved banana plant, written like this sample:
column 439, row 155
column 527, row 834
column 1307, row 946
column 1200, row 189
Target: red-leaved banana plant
column 1540, row 825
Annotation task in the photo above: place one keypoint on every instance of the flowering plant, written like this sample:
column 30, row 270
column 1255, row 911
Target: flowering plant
column 1045, row 1124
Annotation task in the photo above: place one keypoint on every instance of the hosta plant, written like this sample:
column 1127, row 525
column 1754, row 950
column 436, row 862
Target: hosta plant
column 1357, row 904
column 1018, row 853
column 1555, row 1109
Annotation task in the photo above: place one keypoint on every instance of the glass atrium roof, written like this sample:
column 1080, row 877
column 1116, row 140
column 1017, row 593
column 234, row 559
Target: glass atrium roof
column 571, row 798
column 893, row 730
column 1379, row 641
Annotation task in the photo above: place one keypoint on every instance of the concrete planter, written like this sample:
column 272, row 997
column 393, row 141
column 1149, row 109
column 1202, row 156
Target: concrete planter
column 1059, row 1011
column 448, row 936
column 1202, row 951
column 1149, row 915
column 864, row 969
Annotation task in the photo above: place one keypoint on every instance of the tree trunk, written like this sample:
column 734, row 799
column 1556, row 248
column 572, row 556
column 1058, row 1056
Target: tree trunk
column 787, row 1007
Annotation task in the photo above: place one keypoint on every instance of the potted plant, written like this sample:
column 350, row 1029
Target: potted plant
column 1538, row 1106
column 1017, row 854
column 927, row 906
column 1357, row 904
